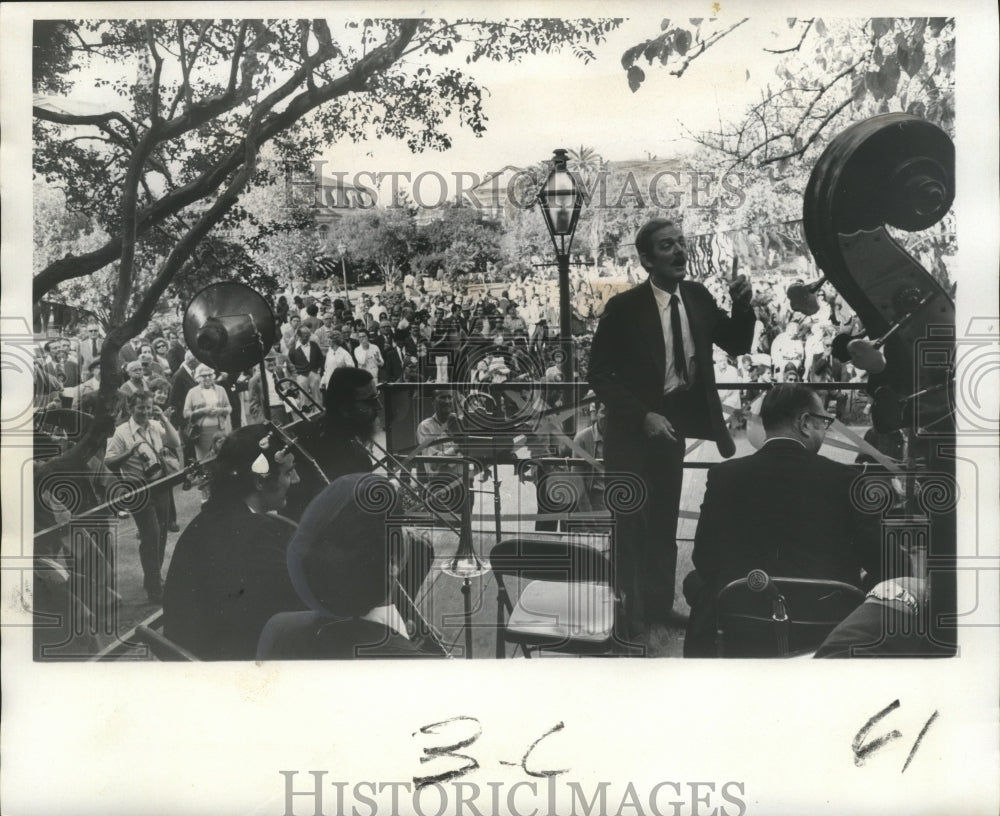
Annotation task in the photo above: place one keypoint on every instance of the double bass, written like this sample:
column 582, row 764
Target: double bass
column 896, row 170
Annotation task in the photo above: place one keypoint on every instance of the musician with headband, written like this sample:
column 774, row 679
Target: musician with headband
column 344, row 560
column 228, row 575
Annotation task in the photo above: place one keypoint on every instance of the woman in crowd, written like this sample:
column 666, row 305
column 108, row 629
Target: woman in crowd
column 227, row 575
column 207, row 409
column 160, row 350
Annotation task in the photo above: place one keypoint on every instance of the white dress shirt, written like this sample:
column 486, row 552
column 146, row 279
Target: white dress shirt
column 672, row 381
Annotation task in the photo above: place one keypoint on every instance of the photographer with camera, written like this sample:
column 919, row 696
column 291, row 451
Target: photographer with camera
column 137, row 452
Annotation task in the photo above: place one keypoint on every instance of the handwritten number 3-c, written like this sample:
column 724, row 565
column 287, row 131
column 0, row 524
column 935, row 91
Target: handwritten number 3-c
column 434, row 752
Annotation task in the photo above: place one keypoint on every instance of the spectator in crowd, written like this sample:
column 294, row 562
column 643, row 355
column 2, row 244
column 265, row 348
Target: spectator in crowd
column 207, row 410
column 290, row 333
column 255, row 413
column 130, row 351
column 336, row 357
column 161, row 349
column 91, row 345
column 136, row 382
column 787, row 348
column 160, row 389
column 138, row 451
column 312, row 320
column 368, row 355
column 307, row 359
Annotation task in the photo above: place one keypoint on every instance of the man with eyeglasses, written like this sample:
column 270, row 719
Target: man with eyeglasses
column 786, row 510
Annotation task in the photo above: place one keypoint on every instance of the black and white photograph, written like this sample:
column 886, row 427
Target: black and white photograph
column 482, row 334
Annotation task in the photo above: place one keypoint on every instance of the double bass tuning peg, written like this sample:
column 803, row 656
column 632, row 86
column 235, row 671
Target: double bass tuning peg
column 867, row 354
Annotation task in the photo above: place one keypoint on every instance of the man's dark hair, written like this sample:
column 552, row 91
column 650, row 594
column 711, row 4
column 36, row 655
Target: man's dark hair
column 136, row 396
column 340, row 390
column 312, row 310
column 400, row 336
column 644, row 237
column 784, row 403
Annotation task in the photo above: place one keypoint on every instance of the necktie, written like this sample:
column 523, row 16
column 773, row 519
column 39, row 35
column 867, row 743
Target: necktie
column 93, row 347
column 680, row 359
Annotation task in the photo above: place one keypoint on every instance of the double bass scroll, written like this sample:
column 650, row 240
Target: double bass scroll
column 891, row 170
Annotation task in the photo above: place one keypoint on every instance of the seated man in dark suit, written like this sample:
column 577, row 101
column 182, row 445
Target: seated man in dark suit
column 785, row 510
column 344, row 561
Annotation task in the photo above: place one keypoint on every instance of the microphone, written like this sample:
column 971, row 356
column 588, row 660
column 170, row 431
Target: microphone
column 760, row 581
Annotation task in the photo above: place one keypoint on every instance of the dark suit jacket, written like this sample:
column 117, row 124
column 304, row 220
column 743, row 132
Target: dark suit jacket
column 628, row 362
column 392, row 371
column 864, row 633
column 126, row 354
column 304, row 364
column 227, row 577
column 785, row 511
column 182, row 382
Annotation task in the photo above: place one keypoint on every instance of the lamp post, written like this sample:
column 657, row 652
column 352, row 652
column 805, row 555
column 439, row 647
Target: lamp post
column 560, row 200
column 342, row 249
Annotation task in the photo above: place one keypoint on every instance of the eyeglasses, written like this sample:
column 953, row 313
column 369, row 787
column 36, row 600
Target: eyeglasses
column 827, row 420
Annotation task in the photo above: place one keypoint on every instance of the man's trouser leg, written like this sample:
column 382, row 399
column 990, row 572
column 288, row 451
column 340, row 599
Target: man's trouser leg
column 664, row 475
column 148, row 526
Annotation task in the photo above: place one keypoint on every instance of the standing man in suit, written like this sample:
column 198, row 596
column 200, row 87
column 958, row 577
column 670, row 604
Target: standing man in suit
column 651, row 365
column 90, row 346
column 785, row 510
column 255, row 414
column 307, row 359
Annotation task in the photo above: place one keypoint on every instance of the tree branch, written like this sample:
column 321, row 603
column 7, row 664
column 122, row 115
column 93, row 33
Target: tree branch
column 354, row 80
column 812, row 138
column 705, row 46
column 99, row 119
column 798, row 45
column 154, row 92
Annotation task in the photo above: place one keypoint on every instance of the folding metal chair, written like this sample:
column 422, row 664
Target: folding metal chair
column 569, row 603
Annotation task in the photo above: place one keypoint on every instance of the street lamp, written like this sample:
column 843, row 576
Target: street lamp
column 342, row 249
column 560, row 201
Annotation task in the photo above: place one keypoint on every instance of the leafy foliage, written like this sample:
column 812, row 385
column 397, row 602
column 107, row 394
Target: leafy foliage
column 190, row 103
column 830, row 73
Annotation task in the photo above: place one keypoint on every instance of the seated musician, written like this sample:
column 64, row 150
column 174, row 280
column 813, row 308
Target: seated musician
column 343, row 562
column 785, row 509
column 227, row 575
column 339, row 441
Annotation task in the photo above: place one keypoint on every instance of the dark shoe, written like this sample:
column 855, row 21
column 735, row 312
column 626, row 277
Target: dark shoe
column 173, row 528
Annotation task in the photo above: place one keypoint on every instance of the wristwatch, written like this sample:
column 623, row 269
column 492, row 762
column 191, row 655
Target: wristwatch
column 889, row 591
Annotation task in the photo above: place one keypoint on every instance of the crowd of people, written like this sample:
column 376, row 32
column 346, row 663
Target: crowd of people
column 172, row 409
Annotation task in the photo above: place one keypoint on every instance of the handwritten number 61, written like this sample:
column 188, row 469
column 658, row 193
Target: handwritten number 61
column 862, row 749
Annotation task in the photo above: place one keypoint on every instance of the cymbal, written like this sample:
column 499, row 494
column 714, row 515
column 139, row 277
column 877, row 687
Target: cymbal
column 226, row 326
